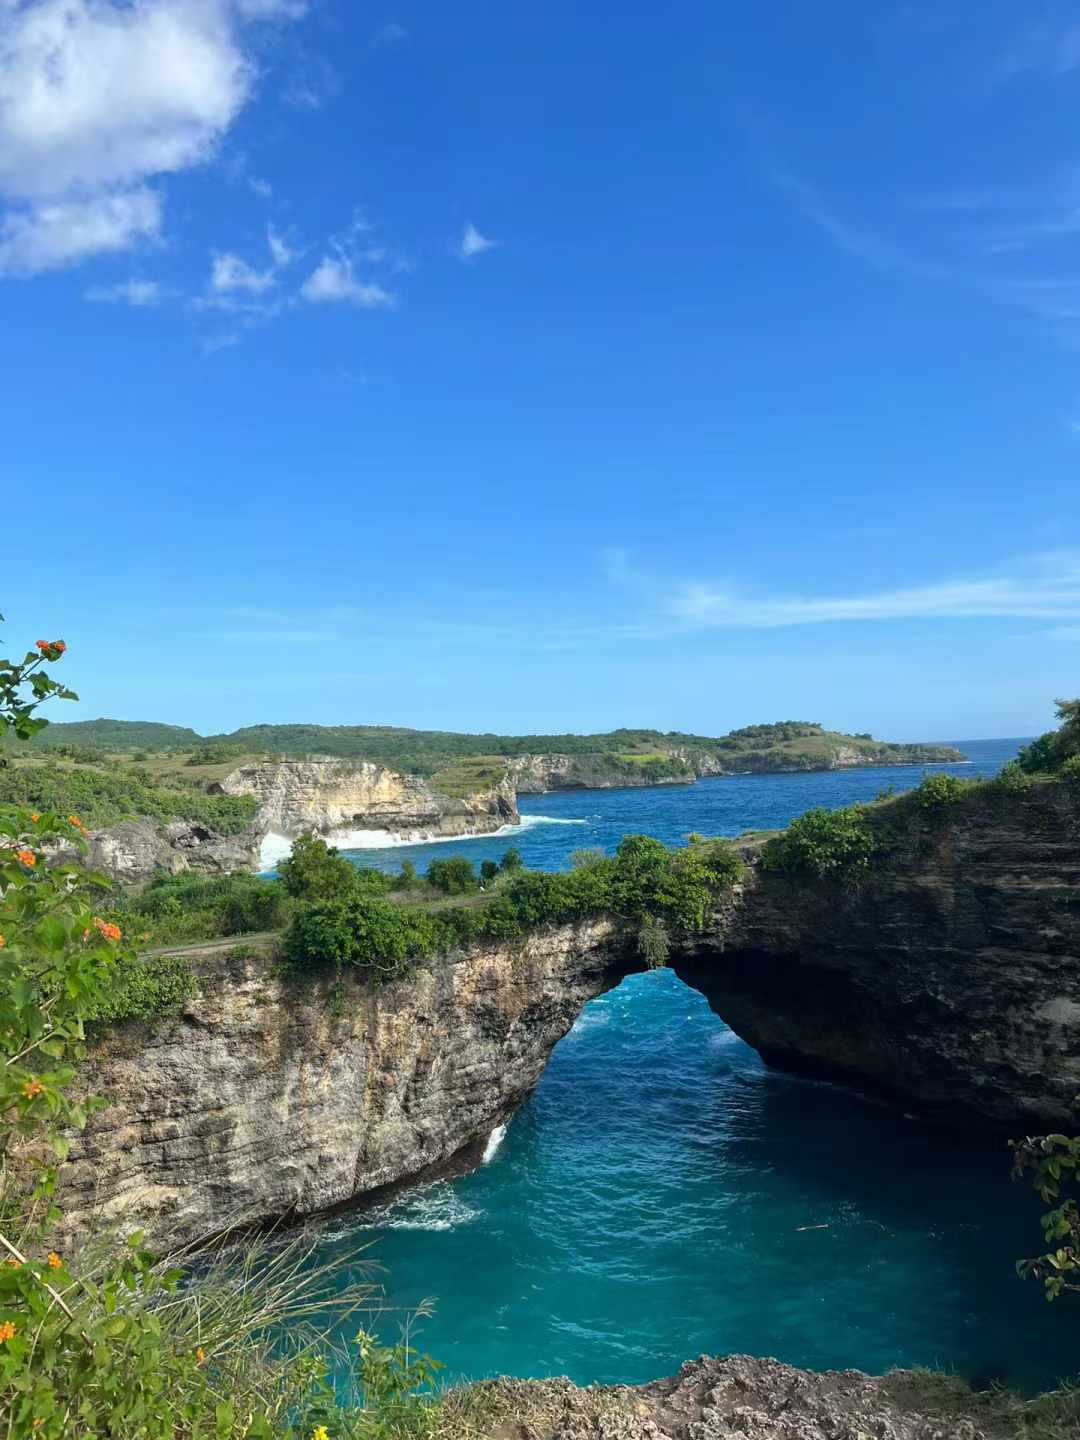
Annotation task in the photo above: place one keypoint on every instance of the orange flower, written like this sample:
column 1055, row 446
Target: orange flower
column 32, row 1088
column 110, row 932
column 74, row 820
column 26, row 857
column 7, row 1331
column 200, row 1355
column 15, row 1264
column 45, row 646
column 42, row 644
column 34, row 816
column 3, row 942
column 53, row 1260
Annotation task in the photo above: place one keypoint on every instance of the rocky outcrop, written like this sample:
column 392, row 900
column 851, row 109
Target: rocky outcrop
column 134, row 851
column 335, row 797
column 948, row 983
column 738, row 1397
column 539, row 774
column 266, row 1098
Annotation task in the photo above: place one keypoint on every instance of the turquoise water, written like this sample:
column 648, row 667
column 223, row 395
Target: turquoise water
column 663, row 1194
column 554, row 825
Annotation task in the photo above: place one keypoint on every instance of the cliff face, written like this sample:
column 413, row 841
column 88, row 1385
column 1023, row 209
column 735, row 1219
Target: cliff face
column 332, row 796
column 266, row 1099
column 538, row 774
column 948, row 983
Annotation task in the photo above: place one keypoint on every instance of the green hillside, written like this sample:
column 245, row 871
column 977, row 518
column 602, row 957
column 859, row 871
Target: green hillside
column 120, row 735
column 642, row 754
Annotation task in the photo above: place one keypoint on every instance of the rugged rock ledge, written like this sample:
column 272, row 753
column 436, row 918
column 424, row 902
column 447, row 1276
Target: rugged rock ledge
column 737, row 1397
column 949, row 983
column 266, row 1098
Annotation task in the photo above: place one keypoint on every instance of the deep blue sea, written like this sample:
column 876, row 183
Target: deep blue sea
column 663, row 1194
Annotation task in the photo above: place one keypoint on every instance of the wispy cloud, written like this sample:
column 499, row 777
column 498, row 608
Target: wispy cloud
column 1050, row 46
column 333, row 282
column 472, row 243
column 851, row 237
column 1048, row 589
column 390, row 34
column 141, row 294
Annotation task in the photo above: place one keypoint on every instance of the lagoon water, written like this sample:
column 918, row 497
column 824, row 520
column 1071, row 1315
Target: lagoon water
column 663, row 1194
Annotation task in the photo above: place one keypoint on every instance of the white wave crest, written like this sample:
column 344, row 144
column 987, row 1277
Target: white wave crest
column 434, row 1207
column 276, row 847
column 495, row 1139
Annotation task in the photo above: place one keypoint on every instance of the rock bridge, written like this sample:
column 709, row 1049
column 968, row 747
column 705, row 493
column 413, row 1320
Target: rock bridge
column 949, row 985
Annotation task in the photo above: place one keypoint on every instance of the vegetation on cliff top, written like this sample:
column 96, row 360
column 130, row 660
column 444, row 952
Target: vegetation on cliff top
column 106, row 796
column 791, row 744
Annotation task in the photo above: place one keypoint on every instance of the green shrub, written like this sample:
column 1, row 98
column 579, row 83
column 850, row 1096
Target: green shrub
column 652, row 942
column 139, row 988
column 488, row 871
column 511, row 861
column 938, row 792
column 831, row 844
column 454, row 876
column 354, row 930
column 1012, row 779
column 175, row 908
column 1070, row 772
column 642, row 880
column 315, row 870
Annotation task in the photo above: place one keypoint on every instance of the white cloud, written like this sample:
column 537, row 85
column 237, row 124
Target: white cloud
column 390, row 34
column 139, row 293
column 333, row 281
column 97, row 97
column 473, row 243
column 60, row 232
column 229, row 273
column 281, row 252
column 1047, row 590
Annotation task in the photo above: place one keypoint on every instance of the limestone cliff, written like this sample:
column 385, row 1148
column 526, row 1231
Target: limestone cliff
column 949, row 983
column 266, row 1098
column 335, row 797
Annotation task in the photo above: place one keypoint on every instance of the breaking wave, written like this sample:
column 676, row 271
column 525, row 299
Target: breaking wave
column 276, row 847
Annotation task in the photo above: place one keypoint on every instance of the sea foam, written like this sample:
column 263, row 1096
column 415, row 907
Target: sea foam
column 276, row 847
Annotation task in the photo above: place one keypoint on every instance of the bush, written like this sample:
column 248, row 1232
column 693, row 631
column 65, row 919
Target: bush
column 511, row 861
column 652, row 942
column 643, row 880
column 831, row 844
column 488, row 871
column 453, row 877
column 141, row 988
column 194, row 907
column 372, row 935
column 315, row 870
column 1012, row 779
column 938, row 792
column 1070, row 773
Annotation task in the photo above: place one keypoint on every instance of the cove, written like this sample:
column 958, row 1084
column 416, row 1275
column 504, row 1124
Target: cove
column 664, row 1194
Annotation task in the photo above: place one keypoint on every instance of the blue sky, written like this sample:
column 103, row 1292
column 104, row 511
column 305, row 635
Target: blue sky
column 492, row 367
